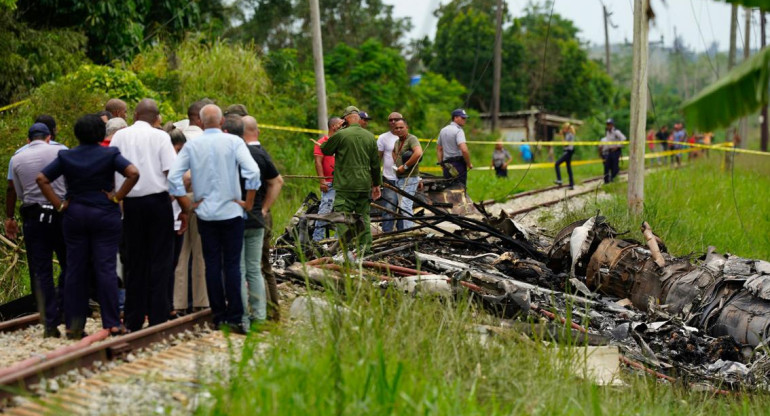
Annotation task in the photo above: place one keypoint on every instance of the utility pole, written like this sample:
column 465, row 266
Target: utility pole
column 606, row 38
column 764, row 133
column 498, row 67
column 733, row 30
column 638, row 125
column 746, row 53
column 318, row 63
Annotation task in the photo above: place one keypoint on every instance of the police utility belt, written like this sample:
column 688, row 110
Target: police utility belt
column 42, row 213
column 454, row 159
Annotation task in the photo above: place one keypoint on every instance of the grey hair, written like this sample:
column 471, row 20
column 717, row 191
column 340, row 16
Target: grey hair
column 213, row 118
column 115, row 124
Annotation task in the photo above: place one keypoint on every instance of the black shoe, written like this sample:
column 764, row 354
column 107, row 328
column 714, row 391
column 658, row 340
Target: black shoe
column 51, row 333
column 76, row 334
column 233, row 328
column 571, row 188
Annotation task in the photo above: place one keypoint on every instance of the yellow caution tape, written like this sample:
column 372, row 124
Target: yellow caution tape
column 14, row 105
column 549, row 165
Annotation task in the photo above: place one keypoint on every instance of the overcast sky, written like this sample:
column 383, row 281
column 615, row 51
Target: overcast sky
column 685, row 17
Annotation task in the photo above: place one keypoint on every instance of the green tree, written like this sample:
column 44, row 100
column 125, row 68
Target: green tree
column 276, row 24
column 117, row 28
column 463, row 50
column 32, row 57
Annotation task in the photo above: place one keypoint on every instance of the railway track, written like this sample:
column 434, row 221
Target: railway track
column 88, row 354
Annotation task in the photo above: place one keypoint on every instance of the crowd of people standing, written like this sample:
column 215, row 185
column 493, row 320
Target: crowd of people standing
column 189, row 202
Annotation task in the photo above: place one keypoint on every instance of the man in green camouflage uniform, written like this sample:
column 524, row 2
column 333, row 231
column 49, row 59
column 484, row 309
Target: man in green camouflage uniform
column 356, row 175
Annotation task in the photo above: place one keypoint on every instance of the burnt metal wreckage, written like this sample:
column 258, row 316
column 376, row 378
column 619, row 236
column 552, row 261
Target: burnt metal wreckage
column 703, row 322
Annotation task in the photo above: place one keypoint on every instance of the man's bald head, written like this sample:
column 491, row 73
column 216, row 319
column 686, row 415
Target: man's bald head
column 147, row 111
column 116, row 107
column 211, row 116
column 250, row 129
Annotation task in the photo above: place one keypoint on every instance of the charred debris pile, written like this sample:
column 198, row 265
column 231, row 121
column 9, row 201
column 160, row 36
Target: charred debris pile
column 701, row 321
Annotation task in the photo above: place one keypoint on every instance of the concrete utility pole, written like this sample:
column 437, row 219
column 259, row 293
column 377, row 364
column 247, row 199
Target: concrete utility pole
column 606, row 38
column 764, row 134
column 498, row 67
column 318, row 62
column 746, row 53
column 637, row 133
column 733, row 30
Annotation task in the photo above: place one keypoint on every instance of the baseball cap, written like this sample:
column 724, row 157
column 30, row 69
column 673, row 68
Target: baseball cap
column 38, row 129
column 350, row 110
column 238, row 109
column 364, row 115
column 459, row 113
column 610, row 121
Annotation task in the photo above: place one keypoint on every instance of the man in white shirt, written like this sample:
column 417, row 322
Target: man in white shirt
column 385, row 143
column 148, row 221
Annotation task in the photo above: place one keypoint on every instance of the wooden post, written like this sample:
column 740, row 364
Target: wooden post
column 763, row 131
column 730, row 132
column 746, row 53
column 637, row 130
column 497, row 67
column 318, row 63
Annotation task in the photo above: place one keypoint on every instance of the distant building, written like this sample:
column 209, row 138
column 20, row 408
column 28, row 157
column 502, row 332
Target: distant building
column 529, row 125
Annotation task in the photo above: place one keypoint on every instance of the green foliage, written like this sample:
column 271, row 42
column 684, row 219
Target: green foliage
column 116, row 29
column 430, row 102
column 277, row 24
column 463, row 50
column 32, row 57
column 376, row 75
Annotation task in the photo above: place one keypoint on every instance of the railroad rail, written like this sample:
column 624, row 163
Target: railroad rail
column 21, row 376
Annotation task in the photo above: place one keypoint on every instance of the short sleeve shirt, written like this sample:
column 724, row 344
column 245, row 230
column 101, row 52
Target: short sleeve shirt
column 267, row 171
column 151, row 151
column 27, row 164
column 400, row 148
column 90, row 172
column 450, row 138
column 328, row 161
column 385, row 143
column 499, row 157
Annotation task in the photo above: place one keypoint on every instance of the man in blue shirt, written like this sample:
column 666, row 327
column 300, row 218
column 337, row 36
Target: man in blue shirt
column 215, row 160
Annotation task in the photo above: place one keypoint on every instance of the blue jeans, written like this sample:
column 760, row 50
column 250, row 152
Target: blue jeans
column 392, row 200
column 253, row 292
column 327, row 203
column 389, row 201
column 222, row 242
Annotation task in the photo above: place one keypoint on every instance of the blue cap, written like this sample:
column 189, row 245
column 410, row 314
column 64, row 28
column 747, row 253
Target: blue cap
column 364, row 115
column 610, row 121
column 459, row 113
column 38, row 129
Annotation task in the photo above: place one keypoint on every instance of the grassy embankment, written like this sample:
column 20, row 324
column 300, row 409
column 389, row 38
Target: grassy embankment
column 398, row 355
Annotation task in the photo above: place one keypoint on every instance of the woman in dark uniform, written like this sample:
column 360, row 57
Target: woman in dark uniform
column 91, row 221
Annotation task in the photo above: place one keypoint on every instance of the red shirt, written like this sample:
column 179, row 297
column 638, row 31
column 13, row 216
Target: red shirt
column 328, row 161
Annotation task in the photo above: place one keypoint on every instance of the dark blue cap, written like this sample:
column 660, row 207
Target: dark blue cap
column 610, row 121
column 459, row 113
column 364, row 115
column 38, row 129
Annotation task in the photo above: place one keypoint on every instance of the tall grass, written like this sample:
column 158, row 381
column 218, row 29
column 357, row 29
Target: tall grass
column 699, row 205
column 385, row 353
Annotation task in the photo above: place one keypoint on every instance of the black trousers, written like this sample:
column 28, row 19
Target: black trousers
column 612, row 165
column 148, row 236
column 565, row 158
column 43, row 234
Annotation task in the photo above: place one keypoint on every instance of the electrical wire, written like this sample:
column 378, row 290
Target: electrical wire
column 703, row 39
column 542, row 77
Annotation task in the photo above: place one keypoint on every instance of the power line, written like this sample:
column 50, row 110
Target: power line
column 703, row 39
